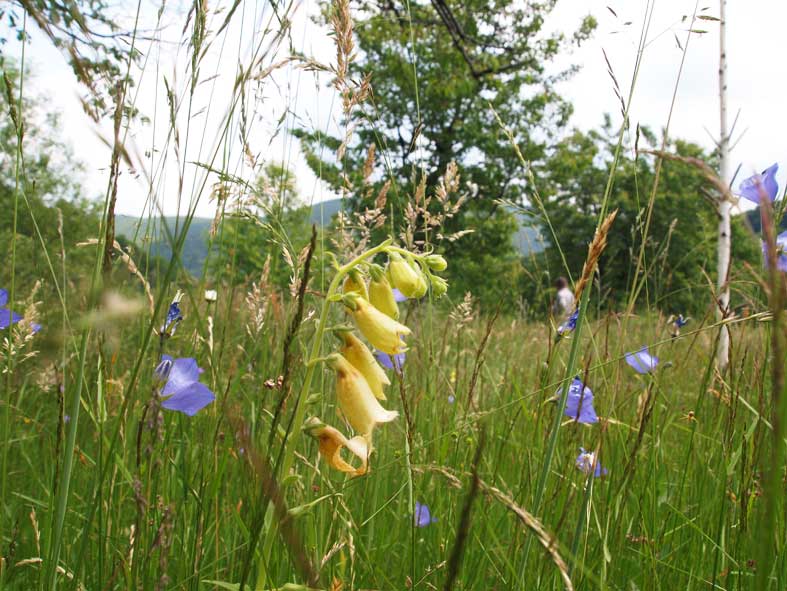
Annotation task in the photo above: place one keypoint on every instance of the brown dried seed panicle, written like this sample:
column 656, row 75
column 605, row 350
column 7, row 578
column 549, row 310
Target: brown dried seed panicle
column 595, row 249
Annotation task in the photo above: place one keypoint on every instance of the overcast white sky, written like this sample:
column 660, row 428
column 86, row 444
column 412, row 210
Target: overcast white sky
column 757, row 87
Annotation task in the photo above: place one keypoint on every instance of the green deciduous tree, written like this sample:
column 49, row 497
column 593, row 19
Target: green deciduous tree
column 41, row 183
column 680, row 248
column 91, row 40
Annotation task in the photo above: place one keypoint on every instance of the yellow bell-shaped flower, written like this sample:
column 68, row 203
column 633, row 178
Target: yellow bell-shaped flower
column 362, row 359
column 405, row 277
column 383, row 332
column 423, row 286
column 356, row 401
column 331, row 442
column 355, row 283
column 381, row 296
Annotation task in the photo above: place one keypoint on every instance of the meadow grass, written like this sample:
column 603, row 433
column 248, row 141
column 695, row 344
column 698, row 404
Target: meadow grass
column 678, row 507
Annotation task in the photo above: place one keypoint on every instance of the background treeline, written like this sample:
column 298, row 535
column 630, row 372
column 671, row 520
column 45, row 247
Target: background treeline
column 529, row 176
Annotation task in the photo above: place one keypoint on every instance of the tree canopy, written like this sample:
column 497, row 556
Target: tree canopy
column 680, row 251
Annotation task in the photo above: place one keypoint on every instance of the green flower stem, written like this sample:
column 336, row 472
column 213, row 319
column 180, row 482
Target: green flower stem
column 583, row 513
column 293, row 436
column 553, row 437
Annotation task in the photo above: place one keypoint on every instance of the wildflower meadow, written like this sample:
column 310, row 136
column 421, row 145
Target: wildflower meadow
column 361, row 308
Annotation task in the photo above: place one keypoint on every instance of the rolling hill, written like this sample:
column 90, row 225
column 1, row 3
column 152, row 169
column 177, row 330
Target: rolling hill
column 195, row 248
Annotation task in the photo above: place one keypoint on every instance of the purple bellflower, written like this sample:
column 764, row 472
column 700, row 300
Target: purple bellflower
column 182, row 391
column 395, row 362
column 676, row 323
column 579, row 404
column 399, row 297
column 642, row 361
column 7, row 317
column 173, row 317
column 760, row 185
column 781, row 252
column 587, row 463
column 423, row 516
column 569, row 324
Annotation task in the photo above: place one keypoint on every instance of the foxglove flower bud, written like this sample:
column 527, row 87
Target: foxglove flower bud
column 381, row 295
column 436, row 262
column 356, row 284
column 439, row 286
column 404, row 277
column 423, row 286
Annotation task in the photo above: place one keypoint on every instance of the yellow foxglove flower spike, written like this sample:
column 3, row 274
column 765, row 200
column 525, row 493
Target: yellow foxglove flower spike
column 355, row 283
column 404, row 277
column 381, row 295
column 362, row 359
column 331, row 441
column 383, row 332
column 356, row 401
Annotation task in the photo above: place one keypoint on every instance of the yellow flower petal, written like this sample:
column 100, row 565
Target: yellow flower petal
column 381, row 296
column 331, row 441
column 383, row 332
column 362, row 359
column 357, row 403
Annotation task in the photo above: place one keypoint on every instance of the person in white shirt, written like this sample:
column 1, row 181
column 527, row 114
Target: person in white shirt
column 563, row 306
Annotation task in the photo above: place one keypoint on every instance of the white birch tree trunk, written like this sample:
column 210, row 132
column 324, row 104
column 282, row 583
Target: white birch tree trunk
column 723, row 260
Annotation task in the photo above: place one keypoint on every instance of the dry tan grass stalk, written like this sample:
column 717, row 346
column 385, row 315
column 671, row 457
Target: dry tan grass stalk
column 265, row 72
column 368, row 165
column 463, row 313
column 342, row 24
column 221, row 192
column 706, row 171
column 595, row 249
column 36, row 530
column 330, row 554
column 382, row 197
column 257, row 300
column 425, row 221
column 353, row 92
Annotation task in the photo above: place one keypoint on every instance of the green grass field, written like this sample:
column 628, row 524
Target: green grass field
column 180, row 502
